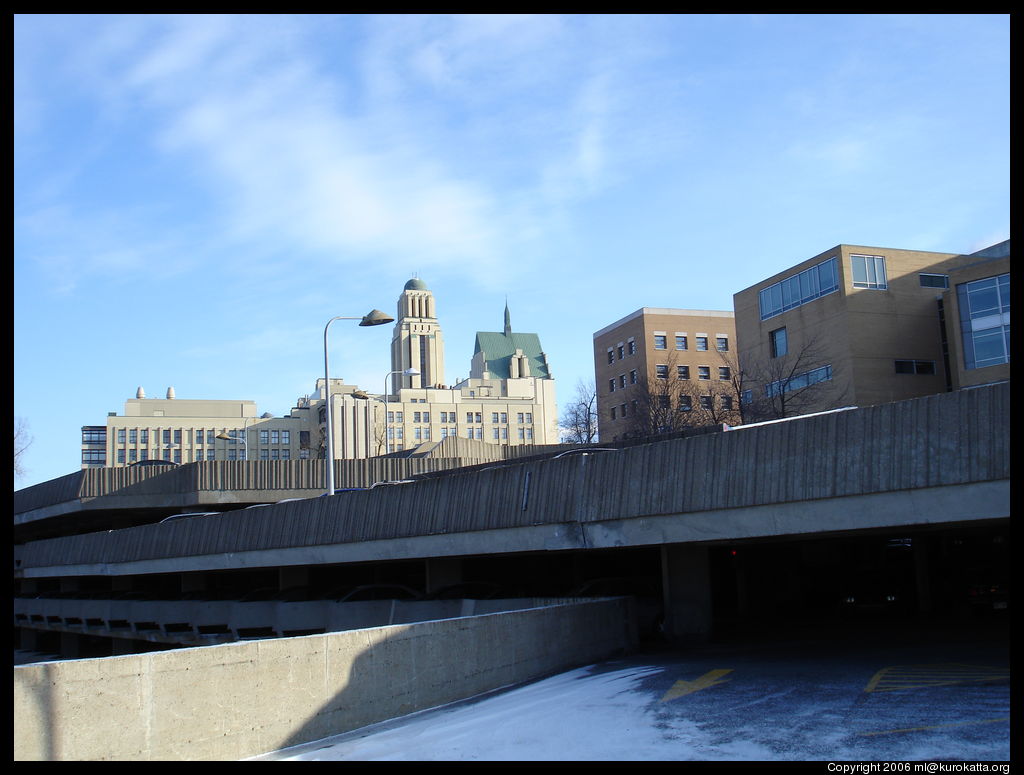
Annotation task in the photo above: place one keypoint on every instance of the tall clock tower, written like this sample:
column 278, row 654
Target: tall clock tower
column 417, row 343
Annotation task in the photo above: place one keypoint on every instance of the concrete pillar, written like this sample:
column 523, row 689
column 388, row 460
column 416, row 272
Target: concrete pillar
column 686, row 584
column 442, row 572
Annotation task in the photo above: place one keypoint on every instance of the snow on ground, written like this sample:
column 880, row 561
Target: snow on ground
column 574, row 716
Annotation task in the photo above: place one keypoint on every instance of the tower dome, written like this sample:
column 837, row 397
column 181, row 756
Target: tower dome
column 416, row 284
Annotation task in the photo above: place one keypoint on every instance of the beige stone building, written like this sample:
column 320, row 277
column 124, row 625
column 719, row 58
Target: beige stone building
column 659, row 369
column 188, row 430
column 508, row 399
column 859, row 325
column 976, row 312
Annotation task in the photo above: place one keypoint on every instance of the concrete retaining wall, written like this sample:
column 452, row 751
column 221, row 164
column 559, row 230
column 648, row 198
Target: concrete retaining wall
column 238, row 700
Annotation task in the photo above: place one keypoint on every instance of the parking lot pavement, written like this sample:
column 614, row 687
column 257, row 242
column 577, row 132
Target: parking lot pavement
column 880, row 695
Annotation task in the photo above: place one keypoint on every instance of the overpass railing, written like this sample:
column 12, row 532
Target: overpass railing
column 945, row 439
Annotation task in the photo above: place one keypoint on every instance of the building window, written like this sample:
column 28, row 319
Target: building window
column 619, row 348
column 622, row 381
column 663, row 402
column 685, row 403
column 94, row 435
column 680, row 342
column 703, row 372
column 133, row 436
column 120, row 456
column 660, row 342
column 275, row 437
column 915, row 367
column 167, row 436
column 177, row 436
column 808, row 378
column 727, row 403
column 869, row 272
column 801, row 288
column 613, row 413
column 683, row 372
column 133, row 455
column 264, row 454
column 94, row 457
column 779, row 342
column 723, row 372
column 632, row 377
column 286, row 437
column 705, row 402
column 121, row 436
column 985, row 321
column 934, row 280
column 631, row 347
column 611, row 385
column 211, row 437
column 264, row 437
column 611, row 356
column 661, row 371
column 702, row 344
column 722, row 343
column 144, row 436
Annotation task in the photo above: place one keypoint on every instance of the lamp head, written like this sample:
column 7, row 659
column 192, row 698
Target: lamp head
column 375, row 318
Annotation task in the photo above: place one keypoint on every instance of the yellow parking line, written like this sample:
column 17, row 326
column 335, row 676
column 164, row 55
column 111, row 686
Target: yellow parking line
column 898, row 677
column 934, row 726
column 680, row 688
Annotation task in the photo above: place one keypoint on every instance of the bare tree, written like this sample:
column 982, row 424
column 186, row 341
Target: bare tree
column 22, row 441
column 579, row 418
column 798, row 381
column 678, row 397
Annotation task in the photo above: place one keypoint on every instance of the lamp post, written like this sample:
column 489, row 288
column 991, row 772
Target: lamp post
column 410, row 372
column 372, row 318
column 225, row 436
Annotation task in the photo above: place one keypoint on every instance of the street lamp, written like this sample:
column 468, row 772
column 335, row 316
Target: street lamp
column 225, row 436
column 372, row 318
column 410, row 372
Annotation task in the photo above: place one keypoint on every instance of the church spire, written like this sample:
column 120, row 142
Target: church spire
column 508, row 320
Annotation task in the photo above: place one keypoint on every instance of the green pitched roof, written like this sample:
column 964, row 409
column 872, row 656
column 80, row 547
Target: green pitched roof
column 498, row 348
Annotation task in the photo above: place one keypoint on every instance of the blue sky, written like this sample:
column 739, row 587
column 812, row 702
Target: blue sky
column 195, row 196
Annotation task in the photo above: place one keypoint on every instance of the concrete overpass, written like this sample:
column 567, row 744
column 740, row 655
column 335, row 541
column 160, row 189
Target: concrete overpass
column 924, row 464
